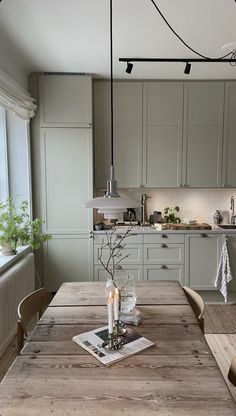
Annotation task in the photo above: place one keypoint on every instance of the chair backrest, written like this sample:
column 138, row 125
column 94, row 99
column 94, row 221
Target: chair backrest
column 197, row 304
column 232, row 371
column 32, row 304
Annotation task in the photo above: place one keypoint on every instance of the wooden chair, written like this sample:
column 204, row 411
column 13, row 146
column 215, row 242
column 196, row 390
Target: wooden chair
column 232, row 372
column 31, row 305
column 197, row 304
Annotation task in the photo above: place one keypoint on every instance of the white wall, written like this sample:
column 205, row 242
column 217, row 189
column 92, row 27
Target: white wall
column 13, row 61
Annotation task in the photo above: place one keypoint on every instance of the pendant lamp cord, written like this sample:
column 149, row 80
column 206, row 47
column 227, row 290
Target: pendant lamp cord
column 111, row 81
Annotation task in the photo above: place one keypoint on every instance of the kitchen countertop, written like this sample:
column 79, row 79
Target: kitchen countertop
column 146, row 230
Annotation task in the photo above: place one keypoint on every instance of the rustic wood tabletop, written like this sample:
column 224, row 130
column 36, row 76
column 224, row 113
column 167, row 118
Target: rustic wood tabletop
column 178, row 376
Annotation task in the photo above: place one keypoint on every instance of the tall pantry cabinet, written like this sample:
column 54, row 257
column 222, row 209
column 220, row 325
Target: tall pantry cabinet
column 62, row 174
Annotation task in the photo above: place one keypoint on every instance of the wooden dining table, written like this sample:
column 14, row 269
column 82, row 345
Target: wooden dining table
column 178, row 376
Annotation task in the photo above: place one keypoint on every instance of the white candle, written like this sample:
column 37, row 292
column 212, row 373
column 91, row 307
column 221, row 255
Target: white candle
column 110, row 313
column 116, row 304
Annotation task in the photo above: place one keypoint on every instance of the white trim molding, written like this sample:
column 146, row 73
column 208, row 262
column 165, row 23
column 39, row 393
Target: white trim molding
column 15, row 98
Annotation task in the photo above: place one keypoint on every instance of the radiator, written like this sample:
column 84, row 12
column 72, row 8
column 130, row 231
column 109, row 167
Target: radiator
column 15, row 284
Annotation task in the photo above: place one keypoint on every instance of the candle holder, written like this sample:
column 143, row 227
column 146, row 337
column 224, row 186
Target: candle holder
column 113, row 342
column 119, row 327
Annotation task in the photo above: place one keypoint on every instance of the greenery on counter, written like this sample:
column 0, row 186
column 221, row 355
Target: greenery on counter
column 170, row 215
column 16, row 228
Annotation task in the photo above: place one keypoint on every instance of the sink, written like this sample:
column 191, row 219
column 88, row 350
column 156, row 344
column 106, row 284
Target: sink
column 228, row 227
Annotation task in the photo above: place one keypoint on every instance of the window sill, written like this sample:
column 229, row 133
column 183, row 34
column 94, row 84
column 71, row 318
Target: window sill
column 7, row 261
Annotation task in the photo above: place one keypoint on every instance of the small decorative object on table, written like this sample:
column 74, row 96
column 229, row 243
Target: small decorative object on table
column 122, row 286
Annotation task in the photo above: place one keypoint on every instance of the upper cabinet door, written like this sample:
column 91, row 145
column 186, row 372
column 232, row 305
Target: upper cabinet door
column 66, row 179
column 203, row 132
column 127, row 133
column 65, row 101
column 229, row 148
column 162, row 133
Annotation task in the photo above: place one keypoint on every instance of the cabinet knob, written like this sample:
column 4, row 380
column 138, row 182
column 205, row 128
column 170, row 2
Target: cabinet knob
column 204, row 235
column 164, row 236
column 118, row 267
column 91, row 234
column 90, row 124
column 163, row 266
column 164, row 245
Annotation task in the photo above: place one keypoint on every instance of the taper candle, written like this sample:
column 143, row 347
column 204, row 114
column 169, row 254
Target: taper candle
column 110, row 312
column 116, row 304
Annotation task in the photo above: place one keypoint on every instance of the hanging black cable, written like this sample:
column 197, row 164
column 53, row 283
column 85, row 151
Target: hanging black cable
column 111, row 81
column 176, row 34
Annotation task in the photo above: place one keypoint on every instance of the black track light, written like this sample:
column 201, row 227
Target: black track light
column 129, row 68
column 187, row 68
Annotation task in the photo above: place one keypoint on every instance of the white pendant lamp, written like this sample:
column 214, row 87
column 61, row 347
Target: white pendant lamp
column 112, row 205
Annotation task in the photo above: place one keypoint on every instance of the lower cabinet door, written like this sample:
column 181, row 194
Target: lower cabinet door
column 67, row 259
column 202, row 259
column 101, row 275
column 164, row 272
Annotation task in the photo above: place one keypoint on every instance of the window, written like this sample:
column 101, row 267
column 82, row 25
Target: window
column 15, row 176
column 4, row 190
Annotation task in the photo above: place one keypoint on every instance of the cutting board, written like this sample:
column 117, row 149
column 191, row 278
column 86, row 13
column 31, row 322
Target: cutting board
column 198, row 226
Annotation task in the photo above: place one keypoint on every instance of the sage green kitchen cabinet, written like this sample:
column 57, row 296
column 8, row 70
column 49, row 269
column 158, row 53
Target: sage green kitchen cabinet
column 66, row 156
column 127, row 133
column 202, row 255
column 67, row 258
column 65, row 100
column 229, row 144
column 163, row 256
column 202, row 134
column 133, row 264
column 62, row 152
column 136, row 270
column 162, row 133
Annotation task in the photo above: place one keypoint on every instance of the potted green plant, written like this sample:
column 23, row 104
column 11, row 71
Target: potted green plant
column 171, row 215
column 16, row 228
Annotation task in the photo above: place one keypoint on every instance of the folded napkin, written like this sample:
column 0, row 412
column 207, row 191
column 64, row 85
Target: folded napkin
column 224, row 275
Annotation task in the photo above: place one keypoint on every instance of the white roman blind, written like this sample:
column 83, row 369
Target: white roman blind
column 15, row 98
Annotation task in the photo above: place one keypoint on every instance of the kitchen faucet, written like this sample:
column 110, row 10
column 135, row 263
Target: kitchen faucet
column 232, row 215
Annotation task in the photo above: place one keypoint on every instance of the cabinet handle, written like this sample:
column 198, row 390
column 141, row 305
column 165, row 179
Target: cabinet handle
column 118, row 267
column 179, row 185
column 91, row 234
column 204, row 235
column 225, row 185
column 90, row 124
column 119, row 236
column 164, row 236
column 163, row 266
column 164, row 245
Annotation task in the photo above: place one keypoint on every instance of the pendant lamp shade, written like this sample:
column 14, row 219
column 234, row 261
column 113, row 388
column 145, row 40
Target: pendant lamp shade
column 111, row 205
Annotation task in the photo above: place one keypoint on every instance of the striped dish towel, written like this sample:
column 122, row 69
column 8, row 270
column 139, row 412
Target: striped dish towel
column 224, row 275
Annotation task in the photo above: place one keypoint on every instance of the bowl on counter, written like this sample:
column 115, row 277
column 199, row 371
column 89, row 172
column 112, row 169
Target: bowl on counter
column 189, row 221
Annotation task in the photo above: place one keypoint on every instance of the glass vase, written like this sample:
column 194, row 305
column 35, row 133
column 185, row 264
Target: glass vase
column 127, row 288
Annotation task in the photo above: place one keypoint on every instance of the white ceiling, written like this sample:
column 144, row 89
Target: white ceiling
column 73, row 35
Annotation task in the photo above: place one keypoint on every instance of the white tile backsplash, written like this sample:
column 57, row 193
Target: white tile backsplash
column 194, row 203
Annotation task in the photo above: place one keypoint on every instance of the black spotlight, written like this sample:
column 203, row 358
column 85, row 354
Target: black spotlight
column 187, row 68
column 129, row 68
